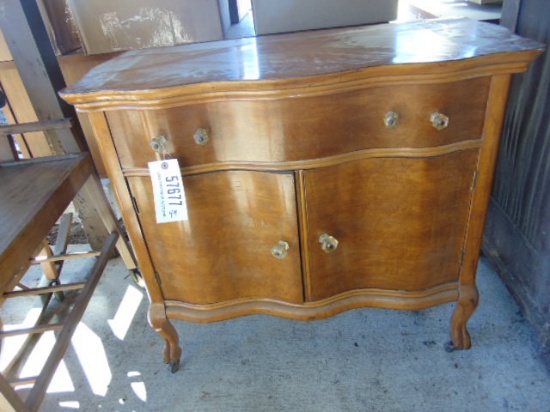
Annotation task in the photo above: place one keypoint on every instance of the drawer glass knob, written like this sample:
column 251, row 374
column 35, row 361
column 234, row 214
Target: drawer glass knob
column 201, row 136
column 328, row 243
column 391, row 119
column 158, row 144
column 280, row 250
column 439, row 121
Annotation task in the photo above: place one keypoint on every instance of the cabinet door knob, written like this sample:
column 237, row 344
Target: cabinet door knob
column 280, row 250
column 391, row 119
column 158, row 144
column 439, row 120
column 328, row 243
column 201, row 136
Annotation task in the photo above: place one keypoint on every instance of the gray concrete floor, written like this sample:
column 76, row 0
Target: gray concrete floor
column 362, row 360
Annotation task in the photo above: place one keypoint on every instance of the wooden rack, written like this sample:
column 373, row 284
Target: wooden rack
column 35, row 195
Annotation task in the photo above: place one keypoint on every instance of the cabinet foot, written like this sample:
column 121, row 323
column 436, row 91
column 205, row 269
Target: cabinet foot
column 467, row 304
column 161, row 324
column 172, row 350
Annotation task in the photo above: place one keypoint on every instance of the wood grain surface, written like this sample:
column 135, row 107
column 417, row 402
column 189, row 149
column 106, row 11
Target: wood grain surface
column 223, row 251
column 302, row 128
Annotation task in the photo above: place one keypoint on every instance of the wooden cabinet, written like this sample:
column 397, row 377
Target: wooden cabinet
column 323, row 171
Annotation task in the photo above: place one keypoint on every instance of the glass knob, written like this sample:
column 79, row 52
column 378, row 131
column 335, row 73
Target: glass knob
column 158, row 144
column 328, row 243
column 280, row 250
column 391, row 119
column 439, row 121
column 201, row 136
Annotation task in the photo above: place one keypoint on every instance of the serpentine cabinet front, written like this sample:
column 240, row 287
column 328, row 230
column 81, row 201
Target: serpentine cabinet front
column 323, row 171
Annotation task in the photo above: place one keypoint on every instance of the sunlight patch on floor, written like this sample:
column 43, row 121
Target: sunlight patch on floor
column 93, row 359
column 70, row 404
column 139, row 386
column 126, row 312
column 12, row 344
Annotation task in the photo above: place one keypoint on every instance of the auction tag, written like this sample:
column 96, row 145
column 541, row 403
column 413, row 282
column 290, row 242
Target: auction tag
column 168, row 191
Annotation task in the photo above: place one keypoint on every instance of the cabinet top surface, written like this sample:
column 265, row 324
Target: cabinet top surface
column 301, row 55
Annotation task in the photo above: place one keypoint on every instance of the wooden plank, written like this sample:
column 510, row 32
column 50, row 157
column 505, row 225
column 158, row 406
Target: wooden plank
column 38, row 67
column 48, row 289
column 70, row 256
column 35, row 126
column 510, row 14
column 234, row 12
column 8, row 114
column 34, row 195
column 9, row 400
column 64, row 338
column 5, row 54
column 50, row 269
column 31, row 331
column 28, row 40
column 60, row 25
column 74, row 67
column 19, row 110
column 6, row 149
column 93, row 197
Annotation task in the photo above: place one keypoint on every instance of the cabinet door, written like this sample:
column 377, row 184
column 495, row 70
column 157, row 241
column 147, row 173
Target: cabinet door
column 223, row 251
column 400, row 223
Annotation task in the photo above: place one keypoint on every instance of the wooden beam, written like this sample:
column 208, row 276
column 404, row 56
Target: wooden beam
column 510, row 14
column 35, row 126
column 29, row 44
column 38, row 67
column 19, row 110
column 74, row 67
column 63, row 339
column 9, row 400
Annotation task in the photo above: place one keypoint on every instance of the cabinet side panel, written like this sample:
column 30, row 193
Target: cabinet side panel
column 223, row 251
column 400, row 222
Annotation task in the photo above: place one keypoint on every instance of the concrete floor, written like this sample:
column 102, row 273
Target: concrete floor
column 362, row 360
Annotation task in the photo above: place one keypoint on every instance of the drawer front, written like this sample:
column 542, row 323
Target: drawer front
column 304, row 128
column 225, row 250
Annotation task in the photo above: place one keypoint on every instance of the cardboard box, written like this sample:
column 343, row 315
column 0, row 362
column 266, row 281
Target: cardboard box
column 59, row 24
column 279, row 16
column 106, row 25
column 482, row 2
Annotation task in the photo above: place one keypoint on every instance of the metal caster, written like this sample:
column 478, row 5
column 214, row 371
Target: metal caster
column 174, row 367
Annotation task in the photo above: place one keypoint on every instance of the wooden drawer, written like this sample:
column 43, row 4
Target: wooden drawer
column 302, row 128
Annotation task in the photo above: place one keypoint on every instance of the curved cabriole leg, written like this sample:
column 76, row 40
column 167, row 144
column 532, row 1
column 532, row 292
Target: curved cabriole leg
column 161, row 324
column 467, row 304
